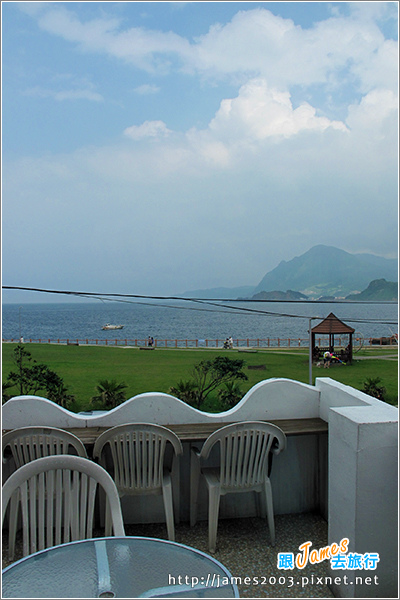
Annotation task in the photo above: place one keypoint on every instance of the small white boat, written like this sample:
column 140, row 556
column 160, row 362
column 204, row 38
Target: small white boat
column 109, row 326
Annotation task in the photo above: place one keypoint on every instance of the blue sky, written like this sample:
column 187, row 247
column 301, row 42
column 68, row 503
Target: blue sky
column 160, row 147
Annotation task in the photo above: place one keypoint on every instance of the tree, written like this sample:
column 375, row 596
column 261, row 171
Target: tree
column 58, row 393
column 32, row 377
column 5, row 386
column 26, row 376
column 110, row 393
column 208, row 375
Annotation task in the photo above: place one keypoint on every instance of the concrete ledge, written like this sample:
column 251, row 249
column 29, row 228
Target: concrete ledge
column 363, row 484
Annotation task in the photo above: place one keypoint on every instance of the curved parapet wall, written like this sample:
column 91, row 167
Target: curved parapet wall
column 32, row 411
column 278, row 399
column 268, row 400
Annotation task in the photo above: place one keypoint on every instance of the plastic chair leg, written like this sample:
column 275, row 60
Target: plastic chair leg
column 168, row 506
column 213, row 511
column 270, row 510
column 108, row 529
column 262, row 505
column 12, row 524
column 194, row 488
column 176, row 488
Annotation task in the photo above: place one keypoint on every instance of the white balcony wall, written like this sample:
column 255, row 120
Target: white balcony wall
column 350, row 475
column 270, row 399
column 363, row 484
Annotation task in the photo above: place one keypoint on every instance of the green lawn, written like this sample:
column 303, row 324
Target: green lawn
column 82, row 367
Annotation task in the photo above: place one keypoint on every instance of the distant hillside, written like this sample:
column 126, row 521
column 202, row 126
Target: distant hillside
column 277, row 295
column 232, row 293
column 328, row 271
column 379, row 289
column 323, row 271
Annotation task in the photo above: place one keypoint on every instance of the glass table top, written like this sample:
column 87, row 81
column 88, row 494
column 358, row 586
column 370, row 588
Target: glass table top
column 118, row 567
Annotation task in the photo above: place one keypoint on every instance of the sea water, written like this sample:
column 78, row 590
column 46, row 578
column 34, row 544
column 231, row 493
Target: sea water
column 188, row 320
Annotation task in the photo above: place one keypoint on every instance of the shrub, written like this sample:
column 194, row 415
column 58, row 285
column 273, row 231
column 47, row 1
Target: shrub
column 208, row 375
column 110, row 394
column 185, row 391
column 373, row 387
column 230, row 396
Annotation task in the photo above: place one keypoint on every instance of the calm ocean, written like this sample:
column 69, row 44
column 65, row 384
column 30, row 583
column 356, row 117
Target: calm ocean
column 186, row 320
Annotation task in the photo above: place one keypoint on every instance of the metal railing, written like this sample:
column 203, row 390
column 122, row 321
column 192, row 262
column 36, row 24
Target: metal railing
column 192, row 343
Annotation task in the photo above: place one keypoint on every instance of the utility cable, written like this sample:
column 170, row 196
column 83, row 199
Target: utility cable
column 117, row 297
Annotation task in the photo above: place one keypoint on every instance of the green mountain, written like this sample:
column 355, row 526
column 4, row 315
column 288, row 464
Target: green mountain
column 323, row 271
column 277, row 295
column 328, row 271
column 379, row 289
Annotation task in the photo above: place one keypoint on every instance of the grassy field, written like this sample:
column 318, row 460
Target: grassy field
column 81, row 367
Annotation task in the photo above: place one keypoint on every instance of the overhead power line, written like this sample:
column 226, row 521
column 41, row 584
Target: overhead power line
column 194, row 299
column 118, row 297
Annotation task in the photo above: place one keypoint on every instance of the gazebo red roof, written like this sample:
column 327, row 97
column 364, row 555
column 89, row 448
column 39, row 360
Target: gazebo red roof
column 332, row 325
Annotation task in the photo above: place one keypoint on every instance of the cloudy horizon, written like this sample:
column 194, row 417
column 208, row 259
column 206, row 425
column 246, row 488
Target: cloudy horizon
column 156, row 148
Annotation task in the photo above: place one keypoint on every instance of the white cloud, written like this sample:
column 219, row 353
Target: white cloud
column 244, row 124
column 254, row 43
column 135, row 45
column 206, row 148
column 204, row 196
column 267, row 167
column 374, row 10
column 374, row 113
column 238, row 128
column 381, row 70
column 147, row 89
column 146, row 130
column 65, row 86
column 260, row 112
column 60, row 95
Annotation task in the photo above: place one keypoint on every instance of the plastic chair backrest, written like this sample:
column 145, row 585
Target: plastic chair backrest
column 31, row 443
column 137, row 451
column 57, row 496
column 244, row 451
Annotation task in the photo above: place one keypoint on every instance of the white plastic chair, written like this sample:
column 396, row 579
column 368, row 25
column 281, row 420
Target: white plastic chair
column 30, row 443
column 245, row 462
column 138, row 456
column 57, row 497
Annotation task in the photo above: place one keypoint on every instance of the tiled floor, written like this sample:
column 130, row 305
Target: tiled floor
column 244, row 548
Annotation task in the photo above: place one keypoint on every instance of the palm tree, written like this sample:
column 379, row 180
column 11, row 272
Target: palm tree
column 110, row 393
column 186, row 391
column 231, row 395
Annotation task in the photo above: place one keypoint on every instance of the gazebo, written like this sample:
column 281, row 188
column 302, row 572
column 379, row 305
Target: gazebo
column 333, row 326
